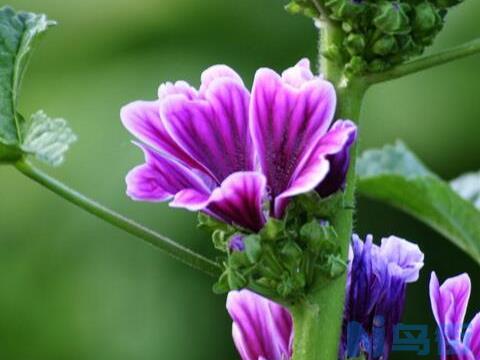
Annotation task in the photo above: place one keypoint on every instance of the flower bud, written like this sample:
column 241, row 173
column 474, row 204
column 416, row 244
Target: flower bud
column 345, row 9
column 357, row 65
column 426, row 17
column 377, row 65
column 385, row 45
column 392, row 17
column 355, row 44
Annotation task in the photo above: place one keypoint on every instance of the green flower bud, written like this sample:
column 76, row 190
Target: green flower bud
column 347, row 27
column 355, row 44
column 392, row 17
column 377, row 65
column 345, row 9
column 301, row 7
column 385, row 45
column 426, row 17
column 357, row 65
column 408, row 47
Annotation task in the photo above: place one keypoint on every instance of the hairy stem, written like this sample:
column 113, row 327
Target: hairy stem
column 426, row 62
column 162, row 242
column 318, row 318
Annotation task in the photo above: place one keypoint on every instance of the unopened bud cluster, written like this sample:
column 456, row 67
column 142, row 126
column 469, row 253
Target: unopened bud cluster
column 284, row 259
column 379, row 34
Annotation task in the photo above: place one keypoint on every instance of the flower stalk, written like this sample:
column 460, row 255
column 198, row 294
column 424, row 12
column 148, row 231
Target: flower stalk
column 426, row 62
column 318, row 318
column 162, row 242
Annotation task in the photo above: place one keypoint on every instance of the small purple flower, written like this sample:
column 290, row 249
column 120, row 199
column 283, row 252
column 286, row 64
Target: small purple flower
column 376, row 285
column 236, row 243
column 449, row 304
column 376, row 289
column 218, row 149
column 262, row 329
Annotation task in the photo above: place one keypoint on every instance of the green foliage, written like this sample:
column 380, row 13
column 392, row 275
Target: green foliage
column 284, row 260
column 47, row 139
column 395, row 176
column 19, row 33
column 468, row 187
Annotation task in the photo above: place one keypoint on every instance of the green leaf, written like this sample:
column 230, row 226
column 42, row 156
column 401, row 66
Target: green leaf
column 48, row 139
column 396, row 176
column 468, row 187
column 18, row 34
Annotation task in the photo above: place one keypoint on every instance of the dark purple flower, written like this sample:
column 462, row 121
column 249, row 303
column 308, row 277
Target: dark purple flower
column 449, row 305
column 262, row 329
column 218, row 149
column 377, row 279
column 376, row 287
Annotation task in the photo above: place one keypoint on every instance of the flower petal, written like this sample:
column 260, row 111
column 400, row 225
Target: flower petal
column 217, row 72
column 318, row 168
column 472, row 337
column 449, row 304
column 287, row 122
column 177, row 88
column 160, row 178
column 405, row 258
column 213, row 130
column 143, row 184
column 239, row 200
column 142, row 119
column 338, row 141
column 299, row 74
column 261, row 328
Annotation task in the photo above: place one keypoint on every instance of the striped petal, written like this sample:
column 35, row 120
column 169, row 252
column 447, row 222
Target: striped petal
column 261, row 328
column 161, row 177
column 213, row 129
column 287, row 122
column 238, row 200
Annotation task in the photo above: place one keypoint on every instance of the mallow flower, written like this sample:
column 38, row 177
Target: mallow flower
column 231, row 154
column 449, row 304
column 376, row 286
column 375, row 297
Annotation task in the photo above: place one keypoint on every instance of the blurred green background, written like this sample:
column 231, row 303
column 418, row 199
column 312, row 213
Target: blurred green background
column 75, row 288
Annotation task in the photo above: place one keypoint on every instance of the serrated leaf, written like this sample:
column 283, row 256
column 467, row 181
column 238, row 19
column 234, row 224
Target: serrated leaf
column 48, row 139
column 468, row 187
column 394, row 175
column 18, row 35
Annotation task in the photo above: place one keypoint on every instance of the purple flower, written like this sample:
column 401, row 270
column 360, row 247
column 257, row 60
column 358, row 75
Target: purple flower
column 449, row 305
column 376, row 289
column 376, row 286
column 218, row 149
column 262, row 329
column 236, row 243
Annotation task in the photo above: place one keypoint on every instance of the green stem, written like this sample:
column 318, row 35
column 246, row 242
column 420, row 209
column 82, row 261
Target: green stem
column 307, row 331
column 426, row 62
column 318, row 318
column 331, row 35
column 162, row 242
